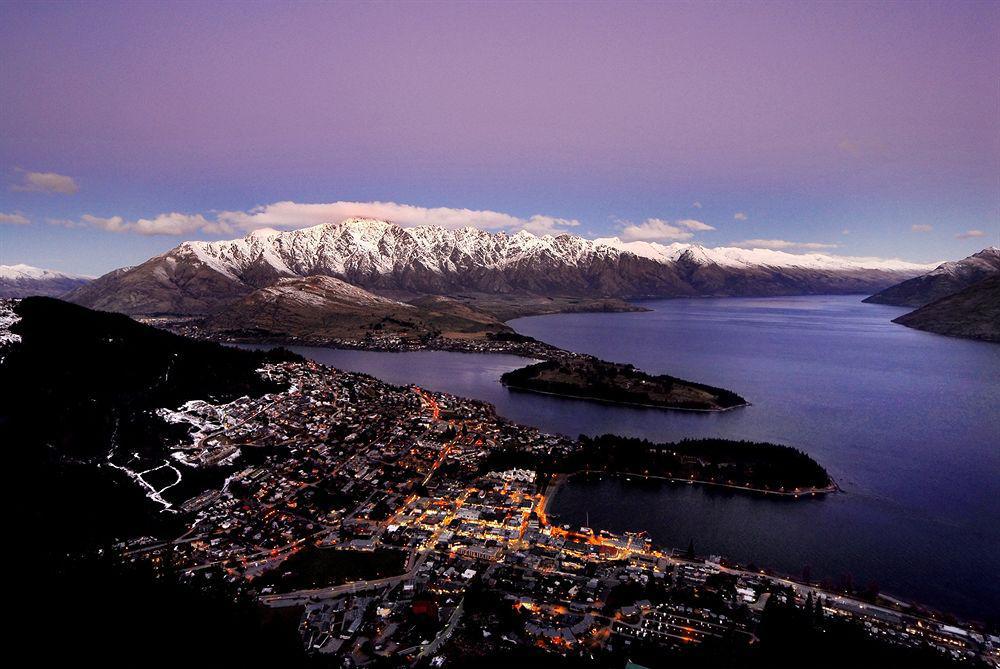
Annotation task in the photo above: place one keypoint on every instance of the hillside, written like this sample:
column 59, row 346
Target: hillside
column 515, row 270
column 318, row 307
column 25, row 280
column 946, row 279
column 74, row 384
column 973, row 313
column 78, row 387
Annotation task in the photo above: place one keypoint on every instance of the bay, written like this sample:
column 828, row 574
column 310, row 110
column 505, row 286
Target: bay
column 907, row 422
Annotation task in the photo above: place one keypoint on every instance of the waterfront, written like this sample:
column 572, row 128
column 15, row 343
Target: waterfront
column 905, row 421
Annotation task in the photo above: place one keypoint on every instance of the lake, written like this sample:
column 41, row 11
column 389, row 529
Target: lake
column 907, row 422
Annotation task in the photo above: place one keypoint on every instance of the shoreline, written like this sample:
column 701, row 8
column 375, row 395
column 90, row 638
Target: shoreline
column 760, row 492
column 638, row 405
column 532, row 352
column 540, row 352
column 885, row 601
column 550, row 492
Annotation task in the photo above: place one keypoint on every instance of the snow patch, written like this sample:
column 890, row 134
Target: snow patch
column 7, row 320
column 22, row 271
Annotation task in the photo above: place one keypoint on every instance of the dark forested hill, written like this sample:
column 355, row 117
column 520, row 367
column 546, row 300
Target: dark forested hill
column 75, row 381
column 77, row 375
column 586, row 377
column 973, row 313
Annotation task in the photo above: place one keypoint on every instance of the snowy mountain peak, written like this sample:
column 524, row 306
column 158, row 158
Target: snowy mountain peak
column 23, row 280
column 988, row 258
column 377, row 255
column 944, row 280
column 375, row 247
column 365, row 249
column 22, row 271
column 727, row 256
column 263, row 233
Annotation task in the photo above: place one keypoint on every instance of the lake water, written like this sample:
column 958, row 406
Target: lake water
column 907, row 422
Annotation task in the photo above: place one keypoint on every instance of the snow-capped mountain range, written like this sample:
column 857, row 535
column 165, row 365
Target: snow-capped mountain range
column 944, row 280
column 200, row 277
column 733, row 256
column 25, row 280
column 370, row 246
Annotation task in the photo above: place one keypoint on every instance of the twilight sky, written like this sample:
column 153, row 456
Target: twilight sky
column 855, row 128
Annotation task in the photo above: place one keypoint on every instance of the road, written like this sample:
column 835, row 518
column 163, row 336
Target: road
column 444, row 635
column 300, row 597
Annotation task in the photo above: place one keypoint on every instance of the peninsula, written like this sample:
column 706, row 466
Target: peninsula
column 745, row 466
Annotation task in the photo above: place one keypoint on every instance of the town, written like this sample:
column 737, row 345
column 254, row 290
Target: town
column 385, row 518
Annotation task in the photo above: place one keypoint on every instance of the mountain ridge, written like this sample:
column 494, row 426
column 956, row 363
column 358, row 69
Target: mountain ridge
column 201, row 278
column 323, row 306
column 22, row 280
column 739, row 256
column 973, row 313
column 946, row 279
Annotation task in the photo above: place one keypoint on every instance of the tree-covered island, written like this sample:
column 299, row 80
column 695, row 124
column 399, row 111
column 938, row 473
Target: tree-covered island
column 587, row 377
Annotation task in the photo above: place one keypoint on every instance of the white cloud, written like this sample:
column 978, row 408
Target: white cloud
column 696, row 204
column 782, row 244
column 164, row 224
column 45, row 182
column 174, row 224
column 740, row 216
column 112, row 224
column 65, row 222
column 546, row 225
column 14, row 219
column 921, row 227
column 291, row 215
column 845, row 231
column 288, row 215
column 970, row 234
column 692, row 224
column 657, row 229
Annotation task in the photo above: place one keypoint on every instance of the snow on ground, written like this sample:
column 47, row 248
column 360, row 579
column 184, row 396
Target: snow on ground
column 151, row 492
column 22, row 271
column 373, row 246
column 7, row 320
column 203, row 419
column 757, row 257
column 205, row 443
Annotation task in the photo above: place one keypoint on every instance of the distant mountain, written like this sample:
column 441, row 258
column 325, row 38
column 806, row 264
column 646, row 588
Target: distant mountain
column 205, row 277
column 323, row 306
column 729, row 271
column 731, row 256
column 973, row 312
column 202, row 277
column 25, row 280
column 947, row 279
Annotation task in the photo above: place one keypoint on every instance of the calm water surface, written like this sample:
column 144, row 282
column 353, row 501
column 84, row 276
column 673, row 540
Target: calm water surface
column 907, row 422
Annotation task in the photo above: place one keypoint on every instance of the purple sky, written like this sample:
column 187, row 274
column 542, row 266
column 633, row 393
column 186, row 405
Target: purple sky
column 809, row 119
